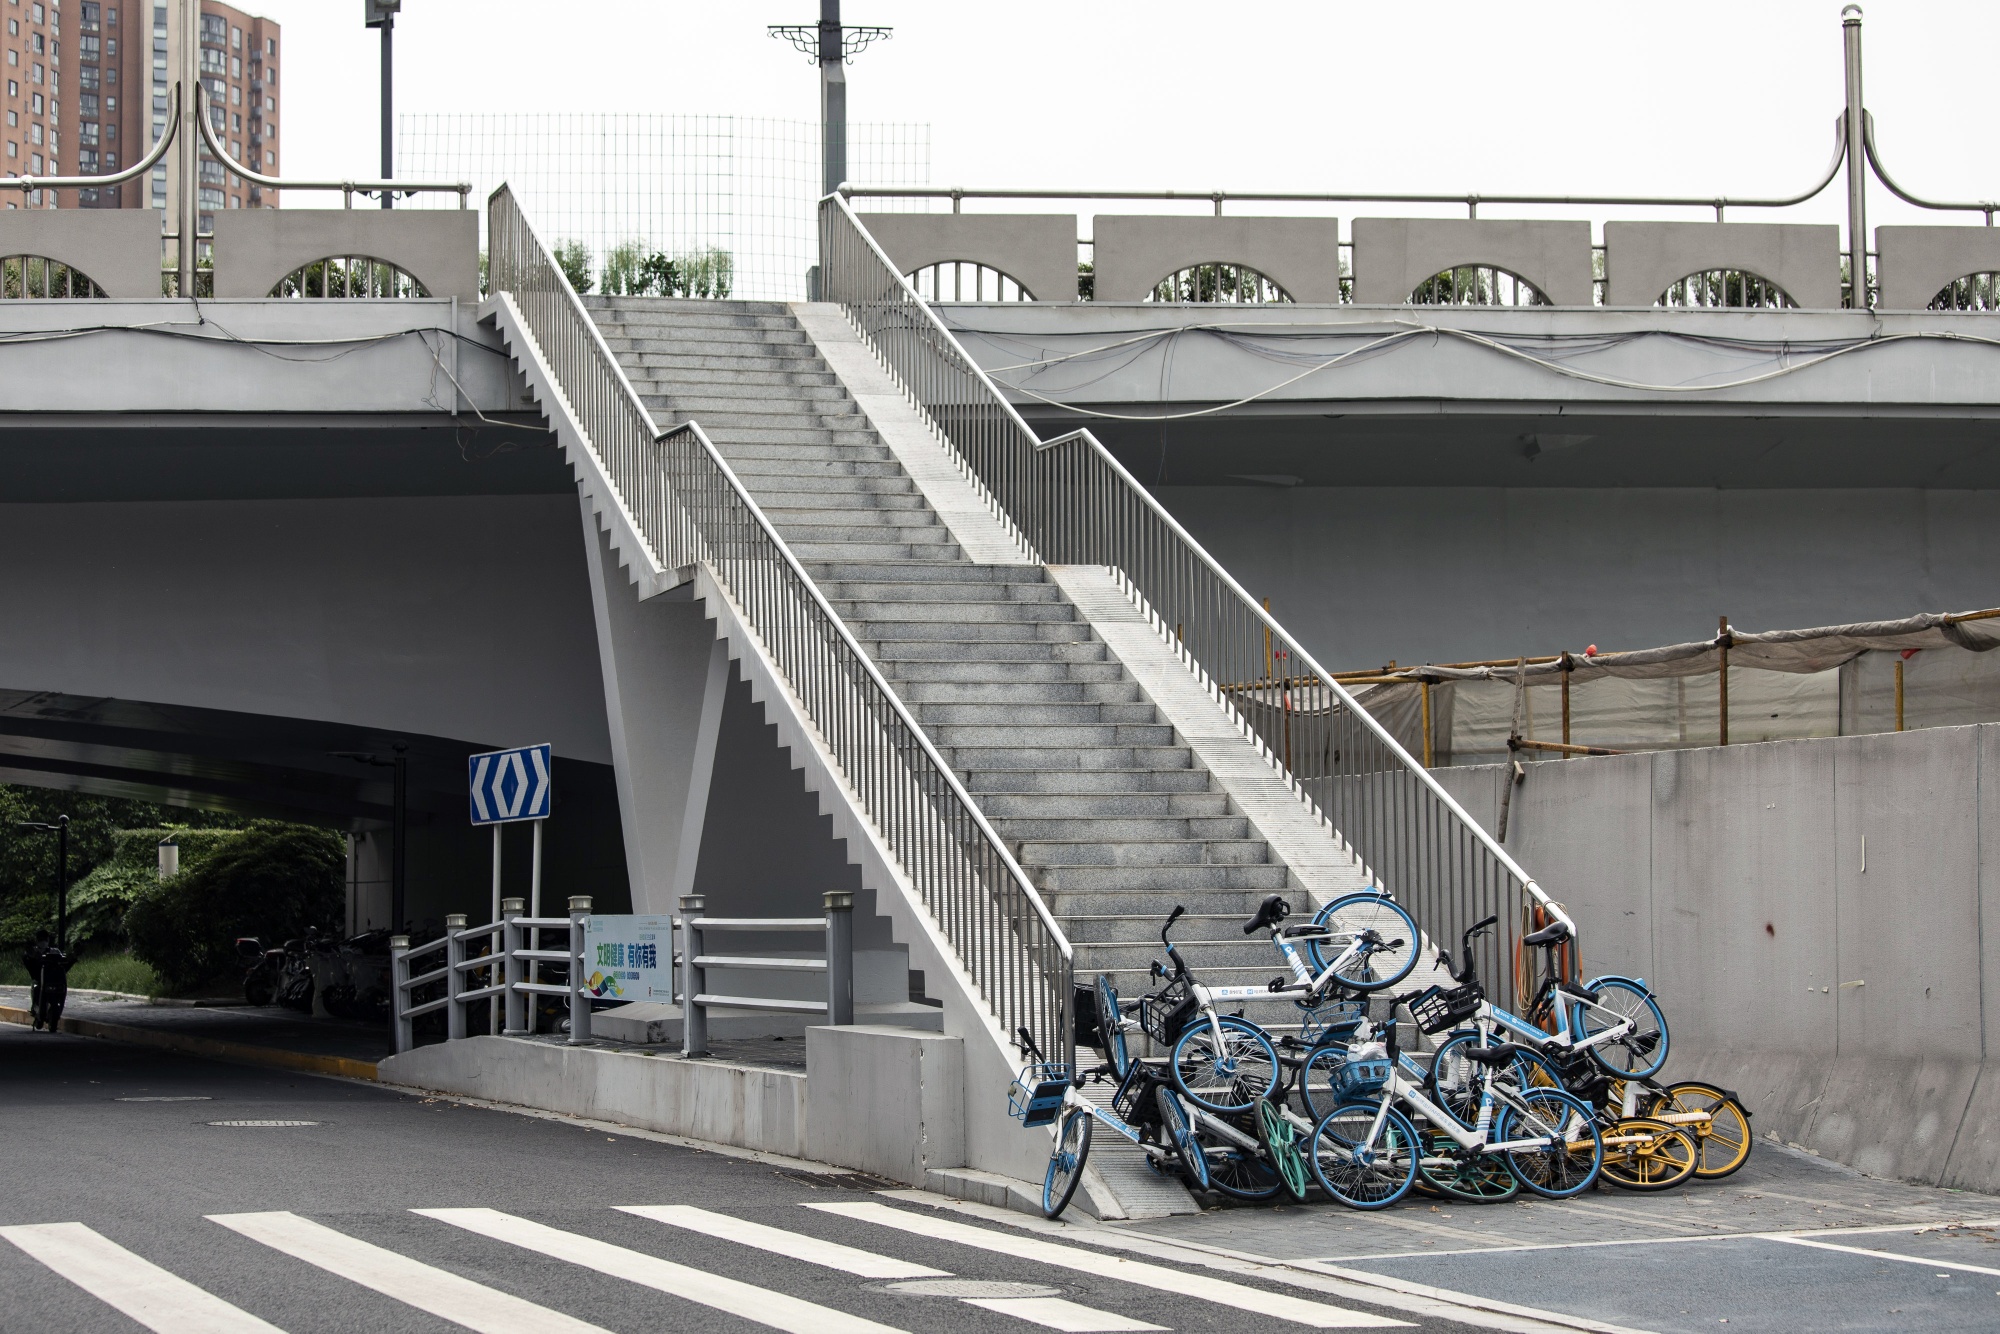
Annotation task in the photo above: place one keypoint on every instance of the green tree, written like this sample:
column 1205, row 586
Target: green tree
column 573, row 258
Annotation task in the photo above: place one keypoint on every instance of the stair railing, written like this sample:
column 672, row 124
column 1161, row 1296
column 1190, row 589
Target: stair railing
column 1071, row 503
column 691, row 509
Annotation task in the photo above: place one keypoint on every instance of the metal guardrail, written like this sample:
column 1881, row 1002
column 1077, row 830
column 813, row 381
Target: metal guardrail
column 694, row 961
column 511, row 967
column 1072, row 503
column 692, row 510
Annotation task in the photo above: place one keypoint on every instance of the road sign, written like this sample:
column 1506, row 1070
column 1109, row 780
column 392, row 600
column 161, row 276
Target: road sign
column 510, row 785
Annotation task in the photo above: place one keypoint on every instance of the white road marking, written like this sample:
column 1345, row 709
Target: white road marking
column 796, row 1245
column 1886, row 1255
column 1199, row 1286
column 1056, row 1313
column 439, row 1291
column 776, row 1309
column 1355, row 1285
column 162, row 1302
column 1914, row 1229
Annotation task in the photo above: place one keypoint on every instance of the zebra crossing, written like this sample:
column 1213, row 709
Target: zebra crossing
column 171, row 1303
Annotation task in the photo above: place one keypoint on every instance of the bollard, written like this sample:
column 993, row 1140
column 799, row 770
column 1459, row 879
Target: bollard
column 839, row 956
column 454, row 976
column 579, row 988
column 510, row 944
column 694, row 1016
column 399, row 992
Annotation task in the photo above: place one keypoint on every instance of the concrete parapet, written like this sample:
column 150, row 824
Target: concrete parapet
column 1641, row 259
column 1133, row 254
column 1393, row 255
column 1914, row 264
column 118, row 249
column 1036, row 250
column 256, row 248
column 885, row 1100
column 746, row 1106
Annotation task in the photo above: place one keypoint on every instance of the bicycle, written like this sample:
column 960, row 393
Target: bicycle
column 1220, row 1063
column 1557, row 1152
column 1714, row 1117
column 1358, row 943
column 1145, row 1110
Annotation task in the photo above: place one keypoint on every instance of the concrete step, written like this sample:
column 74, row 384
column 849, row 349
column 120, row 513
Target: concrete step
column 1136, row 890
column 1023, row 692
column 1094, row 827
column 1091, row 852
column 636, row 337
column 888, row 572
column 1063, row 783
column 864, row 527
column 956, row 613
column 978, row 673
column 903, row 593
column 968, row 632
column 812, row 551
column 1067, row 759
column 859, row 509
column 775, row 497
column 738, row 450
column 778, row 483
column 1102, row 805
column 663, row 372
column 887, row 651
column 714, row 411
column 799, row 471
column 1021, row 714
column 727, row 437
column 1100, row 929
column 1083, row 737
column 621, row 307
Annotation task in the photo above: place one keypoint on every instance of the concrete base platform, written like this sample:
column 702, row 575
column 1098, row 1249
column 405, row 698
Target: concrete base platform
column 647, row 1023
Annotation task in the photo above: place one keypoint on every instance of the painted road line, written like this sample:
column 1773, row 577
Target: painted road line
column 1885, row 1255
column 1911, row 1229
column 1057, row 1313
column 776, row 1309
column 1415, row 1299
column 796, row 1245
column 438, row 1291
column 162, row 1302
column 1199, row 1286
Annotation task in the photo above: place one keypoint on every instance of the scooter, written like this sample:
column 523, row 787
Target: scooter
column 281, row 974
column 48, row 972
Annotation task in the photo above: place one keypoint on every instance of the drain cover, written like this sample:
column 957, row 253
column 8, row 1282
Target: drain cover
column 970, row 1287
column 192, row 1097
column 263, row 1124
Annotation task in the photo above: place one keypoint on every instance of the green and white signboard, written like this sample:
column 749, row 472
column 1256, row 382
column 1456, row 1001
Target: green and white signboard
column 629, row 957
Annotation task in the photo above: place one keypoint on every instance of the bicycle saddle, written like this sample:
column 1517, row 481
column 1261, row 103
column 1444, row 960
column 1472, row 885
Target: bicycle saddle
column 1497, row 1054
column 1551, row 934
column 1269, row 913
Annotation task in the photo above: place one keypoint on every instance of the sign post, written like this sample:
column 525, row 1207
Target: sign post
column 508, row 787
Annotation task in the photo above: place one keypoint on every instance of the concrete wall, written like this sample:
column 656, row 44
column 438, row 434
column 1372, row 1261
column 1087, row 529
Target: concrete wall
column 1036, row 250
column 1445, row 574
column 1642, row 258
column 256, row 248
column 1811, row 915
column 119, row 249
column 1916, row 262
column 1393, row 255
column 1132, row 254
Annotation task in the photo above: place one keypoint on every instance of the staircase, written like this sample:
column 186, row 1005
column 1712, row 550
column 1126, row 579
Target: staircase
column 1110, row 812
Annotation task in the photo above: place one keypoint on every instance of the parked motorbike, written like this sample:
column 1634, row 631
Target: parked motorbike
column 352, row 975
column 48, row 973
column 282, row 974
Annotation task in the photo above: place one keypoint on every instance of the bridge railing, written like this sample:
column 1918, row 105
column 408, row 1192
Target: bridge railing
column 692, row 510
column 1072, row 503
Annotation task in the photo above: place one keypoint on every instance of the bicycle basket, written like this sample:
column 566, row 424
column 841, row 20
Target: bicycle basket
column 1438, row 1009
column 1166, row 1012
column 1035, row 1098
column 1333, row 1021
column 1358, row 1079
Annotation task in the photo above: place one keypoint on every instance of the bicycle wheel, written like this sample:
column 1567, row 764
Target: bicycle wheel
column 1232, row 1077
column 1448, row 1170
column 1642, row 1051
column 1316, row 1080
column 1179, row 1133
column 1722, row 1141
column 1452, row 1082
column 1107, row 1025
column 1066, row 1163
column 1281, row 1142
column 1570, row 1164
column 1643, row 1154
column 1363, row 1175
column 1350, row 915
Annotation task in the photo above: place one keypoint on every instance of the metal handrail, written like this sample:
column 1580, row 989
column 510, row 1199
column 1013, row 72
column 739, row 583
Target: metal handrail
column 139, row 168
column 1079, row 506
column 348, row 189
column 689, row 506
column 1471, row 200
column 1875, row 161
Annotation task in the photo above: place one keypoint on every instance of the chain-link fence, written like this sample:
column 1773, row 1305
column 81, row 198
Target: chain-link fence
column 682, row 187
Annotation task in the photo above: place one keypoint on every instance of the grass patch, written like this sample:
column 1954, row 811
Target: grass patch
column 12, row 974
column 115, row 972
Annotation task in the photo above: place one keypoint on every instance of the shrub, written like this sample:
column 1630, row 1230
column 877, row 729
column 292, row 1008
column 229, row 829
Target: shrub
column 271, row 880
column 99, row 901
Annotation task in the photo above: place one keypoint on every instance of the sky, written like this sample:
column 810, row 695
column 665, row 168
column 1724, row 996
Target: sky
column 1695, row 96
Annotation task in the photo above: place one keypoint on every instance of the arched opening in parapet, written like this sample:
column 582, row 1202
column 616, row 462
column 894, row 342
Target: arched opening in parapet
column 1218, row 281
column 340, row 276
column 37, row 277
column 967, row 280
column 1971, row 291
column 1477, row 285
column 1726, row 289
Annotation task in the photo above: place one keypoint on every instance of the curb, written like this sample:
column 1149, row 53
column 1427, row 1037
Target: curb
column 240, row 1053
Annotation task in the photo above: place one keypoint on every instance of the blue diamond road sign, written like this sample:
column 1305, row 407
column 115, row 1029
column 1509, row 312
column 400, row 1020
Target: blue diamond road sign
column 509, row 785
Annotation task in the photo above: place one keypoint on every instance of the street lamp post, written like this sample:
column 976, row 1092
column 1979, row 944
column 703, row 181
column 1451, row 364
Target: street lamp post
column 382, row 14
column 830, row 45
column 60, row 828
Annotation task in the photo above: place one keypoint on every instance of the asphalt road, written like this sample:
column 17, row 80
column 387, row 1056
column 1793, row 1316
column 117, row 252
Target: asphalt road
column 123, row 1199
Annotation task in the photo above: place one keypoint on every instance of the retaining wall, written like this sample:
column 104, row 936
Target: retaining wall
column 1812, row 917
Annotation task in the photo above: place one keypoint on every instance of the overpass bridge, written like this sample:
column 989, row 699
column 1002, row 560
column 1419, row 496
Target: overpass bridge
column 828, row 595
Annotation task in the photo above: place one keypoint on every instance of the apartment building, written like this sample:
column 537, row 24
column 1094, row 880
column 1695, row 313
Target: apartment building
column 88, row 92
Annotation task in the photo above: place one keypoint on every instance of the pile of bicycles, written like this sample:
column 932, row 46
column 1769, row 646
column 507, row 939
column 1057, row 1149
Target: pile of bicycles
column 1482, row 1105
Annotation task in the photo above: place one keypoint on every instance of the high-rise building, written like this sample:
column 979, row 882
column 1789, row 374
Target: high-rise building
column 89, row 87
